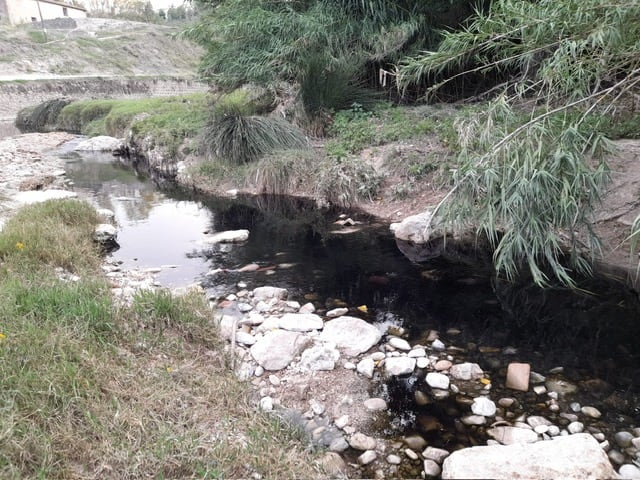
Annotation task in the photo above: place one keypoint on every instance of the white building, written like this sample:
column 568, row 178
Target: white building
column 25, row 11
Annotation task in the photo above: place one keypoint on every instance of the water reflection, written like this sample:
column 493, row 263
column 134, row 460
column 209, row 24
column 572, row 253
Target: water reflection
column 154, row 230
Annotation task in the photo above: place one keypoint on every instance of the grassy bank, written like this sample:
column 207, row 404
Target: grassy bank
column 92, row 389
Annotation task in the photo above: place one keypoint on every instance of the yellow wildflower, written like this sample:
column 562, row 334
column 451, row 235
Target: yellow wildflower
column 363, row 308
column 19, row 245
column 2, row 336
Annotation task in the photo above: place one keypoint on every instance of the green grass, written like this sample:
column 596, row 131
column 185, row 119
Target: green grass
column 355, row 129
column 167, row 120
column 93, row 389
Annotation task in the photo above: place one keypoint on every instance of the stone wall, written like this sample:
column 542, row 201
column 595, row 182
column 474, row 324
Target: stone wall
column 14, row 96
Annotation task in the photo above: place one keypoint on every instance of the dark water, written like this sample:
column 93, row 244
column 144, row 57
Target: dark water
column 594, row 334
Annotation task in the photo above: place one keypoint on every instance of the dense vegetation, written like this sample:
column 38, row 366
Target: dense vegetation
column 558, row 77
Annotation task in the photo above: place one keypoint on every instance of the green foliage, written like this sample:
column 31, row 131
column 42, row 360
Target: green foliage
column 42, row 117
column 168, row 120
column 355, row 129
column 266, row 42
column 531, row 166
column 238, row 138
column 344, row 181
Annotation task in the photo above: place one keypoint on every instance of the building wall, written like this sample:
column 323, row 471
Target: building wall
column 25, row 11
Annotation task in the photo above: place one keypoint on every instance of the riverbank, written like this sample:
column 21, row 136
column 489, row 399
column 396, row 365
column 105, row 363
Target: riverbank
column 336, row 406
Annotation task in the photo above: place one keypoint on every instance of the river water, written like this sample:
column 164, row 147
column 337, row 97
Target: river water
column 594, row 335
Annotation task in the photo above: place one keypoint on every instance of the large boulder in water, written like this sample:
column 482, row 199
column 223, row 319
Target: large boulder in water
column 418, row 228
column 575, row 457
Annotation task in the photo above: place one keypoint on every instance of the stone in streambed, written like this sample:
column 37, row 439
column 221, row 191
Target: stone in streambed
column 575, row 457
column 518, row 376
column 351, row 335
column 277, row 348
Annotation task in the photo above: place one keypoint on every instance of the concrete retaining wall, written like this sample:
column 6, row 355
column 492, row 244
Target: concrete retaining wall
column 14, row 96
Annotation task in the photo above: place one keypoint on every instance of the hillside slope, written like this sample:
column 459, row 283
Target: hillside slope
column 95, row 47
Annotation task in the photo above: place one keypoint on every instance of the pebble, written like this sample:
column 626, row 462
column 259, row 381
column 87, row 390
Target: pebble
column 333, row 464
column 575, row 427
column 360, row 441
column 394, row 459
column 630, row 472
column 438, row 345
column 415, row 442
column 536, row 420
column 431, row 468
column 274, row 380
column 367, row 457
column 442, row 365
column 317, row 407
column 592, row 412
column 377, row 356
column 259, row 371
column 417, row 353
column 422, row 362
column 623, row 439
column 636, row 443
column 421, row 398
column 337, row 312
column 437, row 380
column 342, row 421
column 599, row 436
column 375, row 404
column 483, row 406
column 266, row 404
column 399, row 343
column 474, row 420
column 615, row 456
column 506, row 402
column 436, row 454
column 411, row 454
column 553, row 431
column 338, row 444
column 540, row 389
column 541, row 429
column 365, row 367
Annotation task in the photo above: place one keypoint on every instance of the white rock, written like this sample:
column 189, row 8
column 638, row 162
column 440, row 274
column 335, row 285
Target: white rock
column 375, row 404
column 592, row 412
column 511, row 435
column 274, row 380
column 350, row 334
column 576, row 457
column 360, row 441
column 438, row 345
column 395, row 366
column 575, row 427
column 474, row 420
column 436, row 454
column 422, row 362
column 277, row 349
column 466, row 371
column 431, row 468
column 411, row 454
column 518, row 375
column 267, row 293
column 630, row 472
column 106, row 214
column 349, row 366
column 245, row 338
column 266, row 404
column 101, row 143
column 393, row 459
column 437, row 380
column 342, row 421
column 259, row 371
column 367, row 457
column 322, row 356
column 399, row 343
column 536, row 420
column 105, row 233
column 300, row 322
column 417, row 353
column 416, row 229
column 230, row 236
column 366, row 367
column 307, row 308
column 337, row 312
column 483, row 406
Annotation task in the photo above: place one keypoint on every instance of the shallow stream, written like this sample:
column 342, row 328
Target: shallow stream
column 593, row 335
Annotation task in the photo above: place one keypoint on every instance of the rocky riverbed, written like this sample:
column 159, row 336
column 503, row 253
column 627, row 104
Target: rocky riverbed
column 330, row 368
